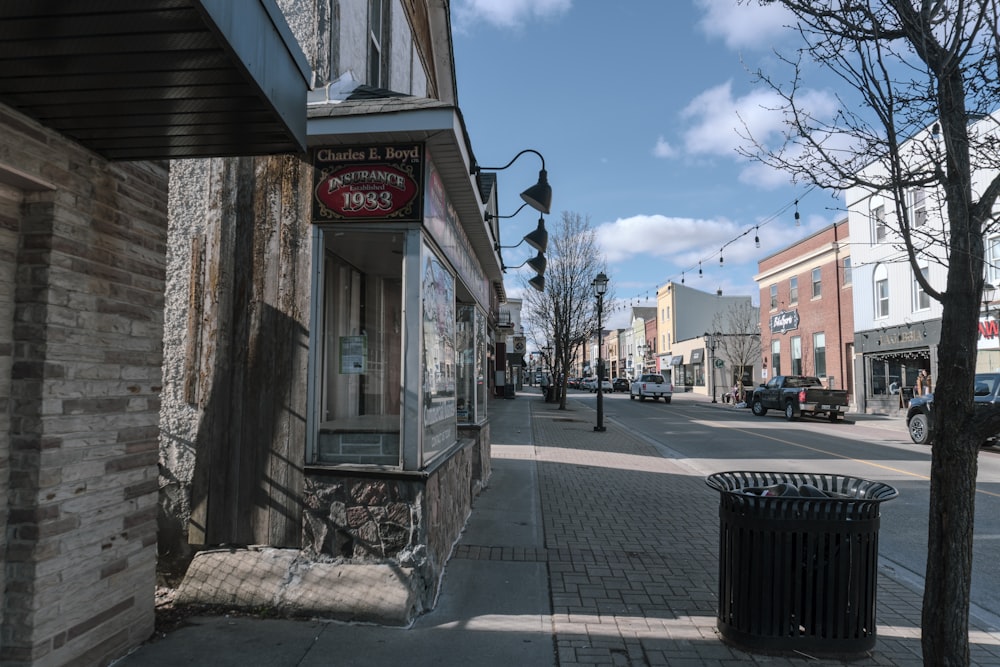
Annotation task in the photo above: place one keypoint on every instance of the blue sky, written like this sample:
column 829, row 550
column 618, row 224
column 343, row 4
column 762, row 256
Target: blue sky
column 638, row 106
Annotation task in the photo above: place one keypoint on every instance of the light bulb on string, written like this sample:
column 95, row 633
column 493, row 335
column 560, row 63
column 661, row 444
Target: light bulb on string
column 682, row 277
column 797, row 213
column 756, row 237
column 720, row 258
column 700, row 274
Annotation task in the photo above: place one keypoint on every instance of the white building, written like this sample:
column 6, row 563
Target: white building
column 897, row 324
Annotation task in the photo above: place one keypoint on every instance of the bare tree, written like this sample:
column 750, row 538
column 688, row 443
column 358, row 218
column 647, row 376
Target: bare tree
column 921, row 80
column 738, row 342
column 565, row 314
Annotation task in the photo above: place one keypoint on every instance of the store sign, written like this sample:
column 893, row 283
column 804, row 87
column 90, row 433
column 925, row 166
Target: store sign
column 368, row 183
column 786, row 320
column 698, row 356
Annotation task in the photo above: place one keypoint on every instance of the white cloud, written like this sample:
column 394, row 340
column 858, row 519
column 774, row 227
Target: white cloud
column 744, row 25
column 505, row 13
column 679, row 239
column 663, row 148
column 720, row 124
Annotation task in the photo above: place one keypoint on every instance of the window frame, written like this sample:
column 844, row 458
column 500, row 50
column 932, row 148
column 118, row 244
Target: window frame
column 817, row 282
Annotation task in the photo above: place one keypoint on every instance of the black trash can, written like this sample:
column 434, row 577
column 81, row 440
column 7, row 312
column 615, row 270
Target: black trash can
column 797, row 572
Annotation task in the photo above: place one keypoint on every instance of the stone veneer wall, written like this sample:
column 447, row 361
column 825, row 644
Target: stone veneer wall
column 411, row 519
column 82, row 247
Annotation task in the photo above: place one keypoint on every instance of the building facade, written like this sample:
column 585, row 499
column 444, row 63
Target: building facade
column 684, row 317
column 807, row 309
column 325, row 392
column 84, row 200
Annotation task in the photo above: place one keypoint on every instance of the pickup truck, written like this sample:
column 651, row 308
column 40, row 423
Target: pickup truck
column 986, row 391
column 798, row 395
column 651, row 385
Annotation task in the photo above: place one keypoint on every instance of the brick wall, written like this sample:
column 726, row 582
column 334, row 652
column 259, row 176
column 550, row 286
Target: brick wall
column 82, row 246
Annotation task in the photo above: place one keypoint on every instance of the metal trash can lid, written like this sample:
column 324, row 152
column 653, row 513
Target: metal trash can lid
column 798, row 485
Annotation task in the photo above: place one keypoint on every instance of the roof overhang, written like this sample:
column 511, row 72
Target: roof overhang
column 157, row 79
column 415, row 120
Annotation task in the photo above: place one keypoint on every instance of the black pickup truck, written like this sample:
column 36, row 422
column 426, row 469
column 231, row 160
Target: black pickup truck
column 797, row 395
column 986, row 391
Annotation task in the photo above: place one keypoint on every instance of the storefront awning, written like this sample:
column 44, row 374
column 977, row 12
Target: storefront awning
column 346, row 114
column 677, row 360
column 157, row 79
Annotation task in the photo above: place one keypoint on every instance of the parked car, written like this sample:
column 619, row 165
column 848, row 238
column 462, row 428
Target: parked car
column 799, row 395
column 619, row 384
column 606, row 386
column 986, row 391
column 651, row 385
column 588, row 384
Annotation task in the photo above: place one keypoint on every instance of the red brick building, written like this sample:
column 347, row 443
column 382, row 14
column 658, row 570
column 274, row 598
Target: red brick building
column 806, row 307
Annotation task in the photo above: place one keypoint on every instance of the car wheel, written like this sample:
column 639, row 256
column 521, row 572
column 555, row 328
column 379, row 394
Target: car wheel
column 758, row 408
column 666, row 399
column 790, row 411
column 833, row 416
column 631, row 396
column 919, row 427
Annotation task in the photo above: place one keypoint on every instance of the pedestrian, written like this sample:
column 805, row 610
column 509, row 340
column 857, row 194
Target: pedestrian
column 923, row 382
column 736, row 393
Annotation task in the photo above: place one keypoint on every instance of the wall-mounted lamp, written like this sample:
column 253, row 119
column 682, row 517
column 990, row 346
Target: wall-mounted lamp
column 537, row 239
column 539, row 195
column 538, row 263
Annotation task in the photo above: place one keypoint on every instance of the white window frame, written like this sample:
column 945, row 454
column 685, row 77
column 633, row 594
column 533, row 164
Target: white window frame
column 921, row 300
column 879, row 227
column 880, row 292
column 793, row 290
column 817, row 282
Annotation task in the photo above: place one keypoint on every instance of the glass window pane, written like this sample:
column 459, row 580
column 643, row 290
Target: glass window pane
column 360, row 369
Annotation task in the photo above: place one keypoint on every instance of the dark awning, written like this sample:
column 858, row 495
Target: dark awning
column 157, row 79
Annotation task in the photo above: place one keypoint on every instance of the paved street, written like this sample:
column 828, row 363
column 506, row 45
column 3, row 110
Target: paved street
column 586, row 549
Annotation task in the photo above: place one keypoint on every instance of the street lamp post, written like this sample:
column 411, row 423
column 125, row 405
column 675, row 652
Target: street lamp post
column 600, row 287
column 711, row 362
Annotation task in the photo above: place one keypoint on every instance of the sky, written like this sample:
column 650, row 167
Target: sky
column 640, row 108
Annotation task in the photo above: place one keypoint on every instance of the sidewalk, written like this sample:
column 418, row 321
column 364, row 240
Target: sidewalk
column 585, row 549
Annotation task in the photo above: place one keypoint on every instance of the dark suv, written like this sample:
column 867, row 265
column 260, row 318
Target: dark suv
column 918, row 416
column 619, row 384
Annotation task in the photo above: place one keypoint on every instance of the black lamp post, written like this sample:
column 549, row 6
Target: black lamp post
column 600, row 287
column 711, row 361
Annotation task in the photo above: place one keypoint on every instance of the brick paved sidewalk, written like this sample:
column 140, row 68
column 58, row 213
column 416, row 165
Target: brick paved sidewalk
column 632, row 547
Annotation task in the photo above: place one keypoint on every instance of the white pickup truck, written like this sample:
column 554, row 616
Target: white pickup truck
column 651, row 385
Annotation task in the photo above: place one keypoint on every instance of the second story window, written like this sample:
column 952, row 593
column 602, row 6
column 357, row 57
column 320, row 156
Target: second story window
column 880, row 285
column 793, row 289
column 879, row 228
column 774, row 297
column 378, row 43
column 847, row 271
column 921, row 300
column 918, row 208
column 993, row 260
column 817, row 283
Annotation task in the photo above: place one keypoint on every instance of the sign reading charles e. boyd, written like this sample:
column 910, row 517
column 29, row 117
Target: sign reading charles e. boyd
column 786, row 320
column 368, row 183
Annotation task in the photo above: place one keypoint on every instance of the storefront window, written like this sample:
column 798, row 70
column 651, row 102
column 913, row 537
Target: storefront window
column 796, row 342
column 359, row 373
column 438, row 343
column 819, row 353
column 776, row 356
column 482, row 363
column 894, row 373
column 471, row 391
